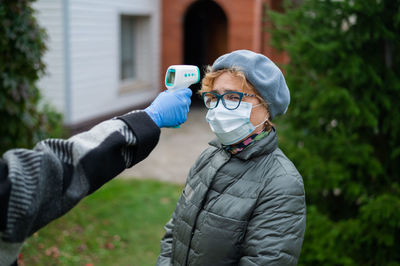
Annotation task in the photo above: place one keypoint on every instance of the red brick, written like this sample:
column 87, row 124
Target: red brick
column 245, row 28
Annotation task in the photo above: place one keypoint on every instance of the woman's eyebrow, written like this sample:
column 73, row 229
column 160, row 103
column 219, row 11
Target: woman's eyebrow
column 223, row 90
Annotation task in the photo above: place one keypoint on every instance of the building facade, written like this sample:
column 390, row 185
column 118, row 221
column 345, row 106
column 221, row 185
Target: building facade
column 103, row 56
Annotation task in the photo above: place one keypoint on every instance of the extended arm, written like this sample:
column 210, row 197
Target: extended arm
column 47, row 181
column 39, row 185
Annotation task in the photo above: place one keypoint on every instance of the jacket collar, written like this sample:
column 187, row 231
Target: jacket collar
column 262, row 147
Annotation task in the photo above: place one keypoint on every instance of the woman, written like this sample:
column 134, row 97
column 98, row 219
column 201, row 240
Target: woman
column 243, row 203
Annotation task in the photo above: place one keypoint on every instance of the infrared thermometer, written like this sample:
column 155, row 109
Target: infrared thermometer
column 181, row 76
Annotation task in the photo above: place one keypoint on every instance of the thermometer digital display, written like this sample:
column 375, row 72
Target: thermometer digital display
column 181, row 76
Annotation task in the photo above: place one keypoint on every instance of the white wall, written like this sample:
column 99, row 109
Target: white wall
column 94, row 56
column 83, row 78
column 49, row 15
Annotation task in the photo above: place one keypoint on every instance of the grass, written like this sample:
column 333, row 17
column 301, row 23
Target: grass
column 120, row 224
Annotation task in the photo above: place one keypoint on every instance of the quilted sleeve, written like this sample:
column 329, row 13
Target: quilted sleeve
column 42, row 184
column 166, row 245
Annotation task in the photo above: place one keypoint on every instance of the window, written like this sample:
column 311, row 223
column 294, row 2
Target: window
column 127, row 54
column 135, row 53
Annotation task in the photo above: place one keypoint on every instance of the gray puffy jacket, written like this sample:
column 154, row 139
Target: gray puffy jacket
column 244, row 209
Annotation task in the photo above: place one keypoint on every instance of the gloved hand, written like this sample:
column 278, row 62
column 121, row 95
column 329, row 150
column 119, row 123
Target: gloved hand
column 170, row 108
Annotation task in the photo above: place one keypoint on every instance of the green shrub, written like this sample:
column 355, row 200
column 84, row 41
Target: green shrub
column 22, row 44
column 343, row 125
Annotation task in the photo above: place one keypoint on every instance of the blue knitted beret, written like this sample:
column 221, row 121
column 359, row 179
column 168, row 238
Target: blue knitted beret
column 263, row 74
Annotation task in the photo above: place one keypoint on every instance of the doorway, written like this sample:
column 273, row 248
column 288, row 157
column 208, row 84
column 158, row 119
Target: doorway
column 205, row 37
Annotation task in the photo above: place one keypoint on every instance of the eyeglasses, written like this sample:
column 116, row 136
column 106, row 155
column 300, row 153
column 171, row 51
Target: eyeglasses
column 231, row 100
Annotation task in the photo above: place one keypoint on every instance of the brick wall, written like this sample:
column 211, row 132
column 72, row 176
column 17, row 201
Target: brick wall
column 245, row 28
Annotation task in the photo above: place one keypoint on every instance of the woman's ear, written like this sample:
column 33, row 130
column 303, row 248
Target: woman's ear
column 268, row 124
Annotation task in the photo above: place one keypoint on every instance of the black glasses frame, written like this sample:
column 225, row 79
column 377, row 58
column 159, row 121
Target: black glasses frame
column 220, row 97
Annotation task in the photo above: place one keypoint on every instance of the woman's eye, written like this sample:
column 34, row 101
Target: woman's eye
column 233, row 97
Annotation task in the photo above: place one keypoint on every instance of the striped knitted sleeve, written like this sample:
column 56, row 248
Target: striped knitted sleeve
column 41, row 184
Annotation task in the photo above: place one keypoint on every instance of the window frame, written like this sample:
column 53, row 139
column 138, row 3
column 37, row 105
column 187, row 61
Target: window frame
column 142, row 80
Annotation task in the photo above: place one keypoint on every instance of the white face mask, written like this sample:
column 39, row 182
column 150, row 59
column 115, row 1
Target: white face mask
column 231, row 126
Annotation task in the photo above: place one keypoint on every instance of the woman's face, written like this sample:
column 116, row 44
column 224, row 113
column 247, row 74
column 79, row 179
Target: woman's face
column 228, row 82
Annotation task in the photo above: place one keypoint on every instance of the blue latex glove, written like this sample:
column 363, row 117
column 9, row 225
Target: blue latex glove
column 170, row 108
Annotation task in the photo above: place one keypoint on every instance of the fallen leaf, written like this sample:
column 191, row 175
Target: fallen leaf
column 109, row 246
column 53, row 252
column 117, row 238
column 165, row 200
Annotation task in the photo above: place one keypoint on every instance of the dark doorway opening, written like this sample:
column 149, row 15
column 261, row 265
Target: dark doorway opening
column 205, row 37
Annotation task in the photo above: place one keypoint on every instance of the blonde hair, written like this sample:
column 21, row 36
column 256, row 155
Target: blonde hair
column 207, row 84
